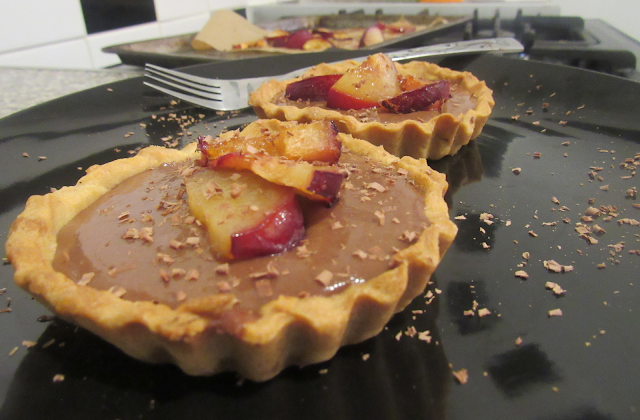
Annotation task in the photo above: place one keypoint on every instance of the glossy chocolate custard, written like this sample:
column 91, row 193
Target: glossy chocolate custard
column 461, row 101
column 140, row 241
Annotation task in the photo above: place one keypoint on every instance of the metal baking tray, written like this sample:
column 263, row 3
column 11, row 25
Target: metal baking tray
column 176, row 51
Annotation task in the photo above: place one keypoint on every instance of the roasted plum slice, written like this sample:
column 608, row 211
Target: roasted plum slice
column 317, row 43
column 245, row 215
column 365, row 86
column 418, row 99
column 318, row 183
column 312, row 88
column 213, row 148
column 298, row 38
column 313, row 142
column 324, row 33
column 278, row 41
column 409, row 82
column 371, row 36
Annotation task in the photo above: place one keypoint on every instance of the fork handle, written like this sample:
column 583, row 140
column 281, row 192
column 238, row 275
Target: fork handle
column 498, row 45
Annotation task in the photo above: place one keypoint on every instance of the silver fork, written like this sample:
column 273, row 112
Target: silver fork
column 233, row 94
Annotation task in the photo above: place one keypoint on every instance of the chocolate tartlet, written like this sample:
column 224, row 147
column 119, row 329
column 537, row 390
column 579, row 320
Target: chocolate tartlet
column 123, row 255
column 429, row 134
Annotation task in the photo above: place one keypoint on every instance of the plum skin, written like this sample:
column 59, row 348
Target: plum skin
column 418, row 99
column 278, row 232
column 326, row 184
column 297, row 39
column 311, row 89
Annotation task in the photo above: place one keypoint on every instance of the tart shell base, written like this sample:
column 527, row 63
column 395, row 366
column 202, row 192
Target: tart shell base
column 290, row 330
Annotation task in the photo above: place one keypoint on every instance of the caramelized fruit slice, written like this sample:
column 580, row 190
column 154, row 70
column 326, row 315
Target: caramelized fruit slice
column 298, row 39
column 278, row 41
column 324, row 33
column 311, row 89
column 318, row 183
column 418, row 99
column 212, row 148
column 365, row 86
column 409, row 82
column 401, row 26
column 314, row 142
column 372, row 35
column 317, row 43
column 245, row 215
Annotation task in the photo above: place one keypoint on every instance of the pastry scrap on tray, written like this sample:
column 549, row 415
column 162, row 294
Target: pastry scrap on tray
column 257, row 250
column 416, row 109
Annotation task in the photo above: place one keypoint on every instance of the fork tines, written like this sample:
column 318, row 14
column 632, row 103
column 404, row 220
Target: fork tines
column 190, row 88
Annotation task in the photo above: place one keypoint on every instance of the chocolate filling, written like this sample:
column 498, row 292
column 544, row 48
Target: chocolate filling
column 140, row 241
column 460, row 102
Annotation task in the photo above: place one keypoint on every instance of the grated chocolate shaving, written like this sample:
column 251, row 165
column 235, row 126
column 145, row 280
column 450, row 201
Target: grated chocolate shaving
column 425, row 336
column 263, row 287
column 462, row 376
column 376, row 186
column 165, row 258
column 617, row 247
column 131, row 233
column 555, row 267
column 118, row 291
column 324, row 278
column 175, row 244
column 176, row 219
column 193, row 241
column 236, row 190
column 86, row 278
column 303, row 252
column 411, row 331
column 555, row 312
column 557, row 290
column 192, row 275
column 224, row 286
column 146, row 218
column 223, row 269
column 409, row 237
column 272, row 270
column 483, row 312
column 146, row 234
column 360, row 254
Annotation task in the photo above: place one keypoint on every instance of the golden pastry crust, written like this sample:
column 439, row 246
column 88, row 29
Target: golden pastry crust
column 289, row 331
column 440, row 136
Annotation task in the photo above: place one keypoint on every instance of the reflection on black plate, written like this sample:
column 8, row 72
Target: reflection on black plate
column 573, row 134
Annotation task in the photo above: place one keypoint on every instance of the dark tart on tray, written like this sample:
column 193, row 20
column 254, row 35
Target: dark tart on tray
column 136, row 252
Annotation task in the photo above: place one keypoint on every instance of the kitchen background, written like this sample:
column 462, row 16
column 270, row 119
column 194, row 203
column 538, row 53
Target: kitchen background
column 70, row 34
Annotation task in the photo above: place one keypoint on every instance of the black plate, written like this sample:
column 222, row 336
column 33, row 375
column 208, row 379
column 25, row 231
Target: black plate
column 582, row 365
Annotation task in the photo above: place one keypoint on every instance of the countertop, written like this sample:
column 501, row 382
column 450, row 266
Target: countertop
column 25, row 87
